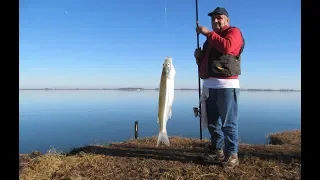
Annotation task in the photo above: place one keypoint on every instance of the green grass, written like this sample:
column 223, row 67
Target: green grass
column 140, row 159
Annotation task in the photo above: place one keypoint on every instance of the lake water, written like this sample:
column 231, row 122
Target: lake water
column 68, row 119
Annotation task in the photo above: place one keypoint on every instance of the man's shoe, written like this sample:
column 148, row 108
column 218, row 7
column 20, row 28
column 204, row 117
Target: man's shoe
column 214, row 155
column 231, row 161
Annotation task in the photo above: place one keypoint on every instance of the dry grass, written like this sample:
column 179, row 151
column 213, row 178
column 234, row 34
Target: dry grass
column 292, row 138
column 140, row 159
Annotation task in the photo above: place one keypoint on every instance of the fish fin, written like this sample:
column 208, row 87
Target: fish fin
column 163, row 137
column 170, row 112
column 170, row 102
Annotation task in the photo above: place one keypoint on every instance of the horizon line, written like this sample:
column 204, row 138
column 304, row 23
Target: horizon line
column 138, row 88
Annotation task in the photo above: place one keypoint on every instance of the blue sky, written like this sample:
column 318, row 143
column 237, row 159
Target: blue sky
column 102, row 43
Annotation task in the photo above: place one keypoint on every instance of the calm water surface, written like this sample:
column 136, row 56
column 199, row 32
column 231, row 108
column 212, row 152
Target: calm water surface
column 67, row 119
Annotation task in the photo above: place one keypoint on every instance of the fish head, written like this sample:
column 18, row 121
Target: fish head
column 169, row 68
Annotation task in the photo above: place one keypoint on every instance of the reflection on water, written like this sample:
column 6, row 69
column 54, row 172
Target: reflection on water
column 65, row 119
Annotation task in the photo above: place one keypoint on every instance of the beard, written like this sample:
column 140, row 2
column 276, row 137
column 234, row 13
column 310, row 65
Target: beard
column 217, row 26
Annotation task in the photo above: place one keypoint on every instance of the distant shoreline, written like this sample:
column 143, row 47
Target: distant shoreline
column 148, row 89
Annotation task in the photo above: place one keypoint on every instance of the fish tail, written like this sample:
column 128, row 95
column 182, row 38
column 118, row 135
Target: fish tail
column 163, row 137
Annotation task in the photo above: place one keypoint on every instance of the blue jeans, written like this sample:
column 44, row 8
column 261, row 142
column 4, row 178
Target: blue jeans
column 223, row 103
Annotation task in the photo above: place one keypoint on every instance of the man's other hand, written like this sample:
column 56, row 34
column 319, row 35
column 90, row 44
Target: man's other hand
column 197, row 54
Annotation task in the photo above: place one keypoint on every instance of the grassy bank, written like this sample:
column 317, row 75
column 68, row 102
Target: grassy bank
column 139, row 159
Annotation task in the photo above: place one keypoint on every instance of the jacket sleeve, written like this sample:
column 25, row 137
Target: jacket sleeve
column 228, row 44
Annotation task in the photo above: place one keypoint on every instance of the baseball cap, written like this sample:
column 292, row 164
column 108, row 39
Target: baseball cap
column 219, row 10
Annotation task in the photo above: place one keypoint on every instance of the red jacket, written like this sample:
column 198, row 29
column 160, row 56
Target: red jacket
column 230, row 43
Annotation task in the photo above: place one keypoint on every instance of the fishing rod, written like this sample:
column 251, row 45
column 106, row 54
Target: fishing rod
column 197, row 112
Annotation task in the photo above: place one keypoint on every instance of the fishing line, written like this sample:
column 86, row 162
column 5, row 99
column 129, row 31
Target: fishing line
column 165, row 22
column 165, row 14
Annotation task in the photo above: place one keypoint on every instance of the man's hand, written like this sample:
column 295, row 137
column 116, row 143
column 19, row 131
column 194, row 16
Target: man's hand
column 202, row 30
column 197, row 54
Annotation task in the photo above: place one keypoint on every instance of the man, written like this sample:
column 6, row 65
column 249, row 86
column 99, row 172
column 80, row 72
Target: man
column 219, row 68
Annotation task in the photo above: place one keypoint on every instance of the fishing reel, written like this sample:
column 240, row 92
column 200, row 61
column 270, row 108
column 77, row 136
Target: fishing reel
column 196, row 112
